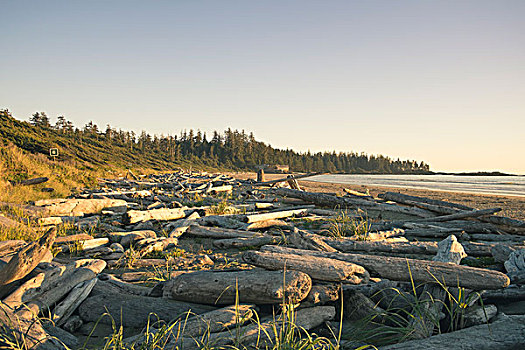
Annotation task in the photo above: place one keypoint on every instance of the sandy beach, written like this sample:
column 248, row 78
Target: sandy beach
column 513, row 207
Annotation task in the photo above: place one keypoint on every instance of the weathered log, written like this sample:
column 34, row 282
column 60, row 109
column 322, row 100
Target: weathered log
column 77, row 207
column 179, row 227
column 346, row 245
column 109, row 284
column 269, row 223
column 70, row 303
column 511, row 293
column 243, row 242
column 27, row 333
column 321, row 294
column 196, row 325
column 285, row 179
column 344, row 202
column 25, row 260
column 506, row 333
column 11, row 246
column 35, row 181
column 321, row 269
column 462, row 215
column 88, row 244
column 414, row 200
column 422, row 271
column 47, row 288
column 305, row 240
column 162, row 214
column 253, row 286
column 219, row 233
column 129, row 238
column 357, row 306
column 262, row 336
column 274, row 215
column 134, row 310
column 72, row 238
column 479, row 315
column 225, row 221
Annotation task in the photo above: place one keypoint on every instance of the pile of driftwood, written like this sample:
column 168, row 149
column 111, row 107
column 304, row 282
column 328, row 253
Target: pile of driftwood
column 262, row 248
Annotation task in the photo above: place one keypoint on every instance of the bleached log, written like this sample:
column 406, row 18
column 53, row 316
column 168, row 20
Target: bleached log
column 34, row 181
column 79, row 206
column 321, row 269
column 10, row 246
column 274, row 215
column 72, row 238
column 462, row 215
column 88, row 244
column 109, row 284
column 47, row 288
column 505, row 333
column 321, row 294
column 67, row 306
column 134, row 310
column 285, row 179
column 225, row 221
column 422, row 271
column 25, row 260
column 162, row 214
column 26, row 331
column 346, row 245
column 179, row 227
column 219, row 233
column 437, row 205
column 253, row 286
column 344, row 202
column 243, row 242
column 305, row 240
column 129, row 238
column 269, row 223
column 223, row 188
column 262, row 336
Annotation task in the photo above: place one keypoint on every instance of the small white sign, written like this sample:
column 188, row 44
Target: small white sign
column 53, row 152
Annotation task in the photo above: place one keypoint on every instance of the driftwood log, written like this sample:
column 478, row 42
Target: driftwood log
column 345, row 202
column 25, row 261
column 422, row 271
column 162, row 214
column 321, row 269
column 505, row 333
column 135, row 310
column 252, row 286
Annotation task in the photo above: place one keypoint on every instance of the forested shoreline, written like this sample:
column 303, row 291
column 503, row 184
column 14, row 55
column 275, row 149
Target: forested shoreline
column 232, row 149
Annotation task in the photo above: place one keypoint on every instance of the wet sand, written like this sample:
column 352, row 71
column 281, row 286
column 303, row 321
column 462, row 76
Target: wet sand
column 513, row 207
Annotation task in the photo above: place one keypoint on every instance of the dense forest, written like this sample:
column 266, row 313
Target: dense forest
column 232, row 149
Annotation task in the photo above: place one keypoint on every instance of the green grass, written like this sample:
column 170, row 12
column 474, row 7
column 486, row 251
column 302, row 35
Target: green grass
column 345, row 225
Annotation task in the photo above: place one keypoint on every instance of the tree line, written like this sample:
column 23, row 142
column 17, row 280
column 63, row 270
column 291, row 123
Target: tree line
column 231, row 149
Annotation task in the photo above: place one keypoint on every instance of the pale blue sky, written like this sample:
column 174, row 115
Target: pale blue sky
column 439, row 81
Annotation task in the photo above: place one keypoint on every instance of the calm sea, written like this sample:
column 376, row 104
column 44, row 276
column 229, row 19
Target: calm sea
column 498, row 185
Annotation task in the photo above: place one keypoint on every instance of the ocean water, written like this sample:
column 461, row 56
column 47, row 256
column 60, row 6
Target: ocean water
column 497, row 185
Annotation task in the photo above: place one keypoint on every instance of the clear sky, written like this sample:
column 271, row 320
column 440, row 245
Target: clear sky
column 440, row 81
